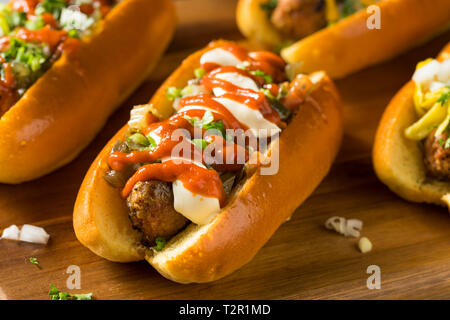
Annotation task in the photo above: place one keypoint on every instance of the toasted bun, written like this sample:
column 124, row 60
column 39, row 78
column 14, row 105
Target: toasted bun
column 350, row 45
column 398, row 161
column 63, row 111
column 307, row 148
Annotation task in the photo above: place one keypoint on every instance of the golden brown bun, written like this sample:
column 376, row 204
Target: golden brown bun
column 63, row 111
column 307, row 149
column 398, row 161
column 349, row 45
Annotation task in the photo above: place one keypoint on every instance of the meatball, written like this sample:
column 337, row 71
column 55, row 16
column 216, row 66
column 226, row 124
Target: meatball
column 437, row 156
column 152, row 212
column 296, row 19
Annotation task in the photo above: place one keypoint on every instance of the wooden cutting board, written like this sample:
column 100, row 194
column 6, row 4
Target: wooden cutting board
column 302, row 260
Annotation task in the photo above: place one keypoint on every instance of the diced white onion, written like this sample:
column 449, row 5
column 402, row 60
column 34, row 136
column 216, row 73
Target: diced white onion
column 436, row 85
column 138, row 116
column 432, row 73
column 353, row 228
column 28, row 233
column 336, row 223
column 33, row 234
column 444, row 72
column 73, row 18
column 11, row 233
column 350, row 227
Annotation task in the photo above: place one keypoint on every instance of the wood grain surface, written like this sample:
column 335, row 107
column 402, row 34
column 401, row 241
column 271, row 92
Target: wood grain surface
column 303, row 260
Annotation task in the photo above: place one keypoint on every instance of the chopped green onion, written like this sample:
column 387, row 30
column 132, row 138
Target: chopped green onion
column 152, row 141
column 51, row 6
column 160, row 243
column 74, row 34
column 172, row 93
column 200, row 143
column 186, row 91
column 201, row 123
column 217, row 126
column 267, row 93
column 259, row 73
column 35, row 24
column 139, row 138
column 199, row 73
column 17, row 19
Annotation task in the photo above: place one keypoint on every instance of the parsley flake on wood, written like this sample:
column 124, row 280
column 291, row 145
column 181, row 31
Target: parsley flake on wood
column 56, row 294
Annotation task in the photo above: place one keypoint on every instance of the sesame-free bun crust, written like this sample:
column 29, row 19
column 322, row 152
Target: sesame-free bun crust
column 350, row 45
column 307, row 148
column 398, row 161
column 63, row 111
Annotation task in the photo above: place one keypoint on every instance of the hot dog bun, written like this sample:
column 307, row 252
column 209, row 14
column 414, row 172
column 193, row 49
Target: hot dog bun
column 350, row 45
column 63, row 111
column 398, row 161
column 307, row 148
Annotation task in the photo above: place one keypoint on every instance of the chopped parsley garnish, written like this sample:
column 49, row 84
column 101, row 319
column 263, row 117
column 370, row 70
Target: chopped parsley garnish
column 269, row 5
column 34, row 261
column 160, row 243
column 56, row 294
column 445, row 96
